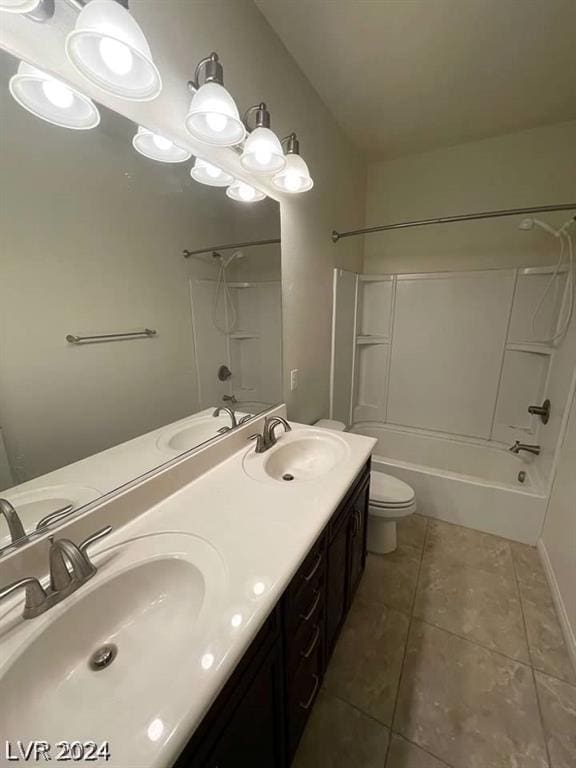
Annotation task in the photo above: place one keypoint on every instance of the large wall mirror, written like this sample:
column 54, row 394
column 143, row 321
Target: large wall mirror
column 92, row 240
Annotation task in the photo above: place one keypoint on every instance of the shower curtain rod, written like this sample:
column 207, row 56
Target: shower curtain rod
column 229, row 247
column 449, row 219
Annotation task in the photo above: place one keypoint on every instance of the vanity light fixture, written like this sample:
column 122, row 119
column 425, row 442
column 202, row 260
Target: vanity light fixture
column 39, row 10
column 158, row 147
column 295, row 177
column 108, row 48
column 262, row 150
column 207, row 173
column 52, row 100
column 18, row 6
column 213, row 116
column 244, row 193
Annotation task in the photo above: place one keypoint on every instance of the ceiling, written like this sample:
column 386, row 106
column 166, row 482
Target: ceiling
column 406, row 76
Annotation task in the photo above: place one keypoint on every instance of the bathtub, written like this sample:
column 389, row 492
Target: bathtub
column 463, row 482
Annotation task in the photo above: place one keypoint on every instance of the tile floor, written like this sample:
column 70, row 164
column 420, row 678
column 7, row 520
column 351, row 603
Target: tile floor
column 451, row 656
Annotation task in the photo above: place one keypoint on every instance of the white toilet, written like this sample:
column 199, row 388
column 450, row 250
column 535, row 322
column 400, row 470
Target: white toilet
column 390, row 500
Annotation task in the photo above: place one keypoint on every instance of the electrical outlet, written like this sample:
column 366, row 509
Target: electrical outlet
column 294, row 379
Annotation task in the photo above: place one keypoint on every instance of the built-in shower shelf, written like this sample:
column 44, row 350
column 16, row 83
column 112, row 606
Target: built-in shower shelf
column 243, row 335
column 238, row 284
column 534, row 347
column 253, row 283
column 372, row 340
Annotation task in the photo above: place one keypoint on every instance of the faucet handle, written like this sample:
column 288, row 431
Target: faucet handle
column 94, row 538
column 54, row 517
column 35, row 595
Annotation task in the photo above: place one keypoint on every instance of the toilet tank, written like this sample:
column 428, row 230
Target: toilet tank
column 335, row 426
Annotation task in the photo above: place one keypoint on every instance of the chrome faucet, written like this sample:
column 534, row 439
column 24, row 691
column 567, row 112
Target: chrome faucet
column 230, row 412
column 17, row 532
column 70, row 568
column 518, row 446
column 268, row 437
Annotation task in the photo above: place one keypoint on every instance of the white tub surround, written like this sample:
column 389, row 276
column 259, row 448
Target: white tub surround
column 249, row 537
column 463, row 482
column 456, row 353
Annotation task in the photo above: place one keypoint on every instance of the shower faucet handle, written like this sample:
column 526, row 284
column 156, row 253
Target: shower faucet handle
column 541, row 410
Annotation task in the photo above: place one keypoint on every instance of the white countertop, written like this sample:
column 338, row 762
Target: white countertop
column 261, row 532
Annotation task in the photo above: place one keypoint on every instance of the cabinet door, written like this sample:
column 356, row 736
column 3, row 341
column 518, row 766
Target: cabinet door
column 357, row 532
column 254, row 735
column 336, row 583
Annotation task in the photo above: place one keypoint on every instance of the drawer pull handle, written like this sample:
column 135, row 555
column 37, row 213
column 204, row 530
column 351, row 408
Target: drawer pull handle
column 307, row 653
column 315, row 569
column 308, row 704
column 312, row 610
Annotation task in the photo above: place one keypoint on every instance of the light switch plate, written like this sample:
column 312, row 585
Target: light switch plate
column 294, row 379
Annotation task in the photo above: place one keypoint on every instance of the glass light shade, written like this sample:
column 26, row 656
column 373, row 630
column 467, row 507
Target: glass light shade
column 295, row 177
column 108, row 47
column 18, row 6
column 244, row 193
column 206, row 173
column 52, row 100
column 263, row 152
column 158, row 147
column 213, row 117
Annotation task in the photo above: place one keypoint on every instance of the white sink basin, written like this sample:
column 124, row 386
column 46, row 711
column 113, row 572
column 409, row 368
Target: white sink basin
column 298, row 456
column 34, row 504
column 152, row 599
column 183, row 437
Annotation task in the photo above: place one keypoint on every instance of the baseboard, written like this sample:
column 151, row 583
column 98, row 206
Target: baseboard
column 567, row 629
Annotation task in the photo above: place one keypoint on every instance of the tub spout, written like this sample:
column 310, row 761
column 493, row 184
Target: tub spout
column 518, row 446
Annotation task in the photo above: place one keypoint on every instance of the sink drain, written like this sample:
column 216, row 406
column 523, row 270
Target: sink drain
column 287, row 476
column 103, row 657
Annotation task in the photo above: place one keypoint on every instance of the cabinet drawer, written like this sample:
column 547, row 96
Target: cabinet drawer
column 305, row 641
column 303, row 688
column 305, row 595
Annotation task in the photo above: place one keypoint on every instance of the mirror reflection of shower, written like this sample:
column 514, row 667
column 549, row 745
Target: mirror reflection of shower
column 224, row 313
column 565, row 245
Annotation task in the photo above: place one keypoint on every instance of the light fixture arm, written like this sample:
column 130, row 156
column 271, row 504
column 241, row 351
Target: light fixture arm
column 213, row 72
column 292, row 144
column 262, row 114
column 45, row 8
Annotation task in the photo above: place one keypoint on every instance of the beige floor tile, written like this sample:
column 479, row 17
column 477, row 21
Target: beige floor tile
column 477, row 604
column 529, row 568
column 412, row 531
column 365, row 667
column 471, row 707
column 391, row 579
column 545, row 638
column 468, row 547
column 558, row 703
column 339, row 736
column 403, row 754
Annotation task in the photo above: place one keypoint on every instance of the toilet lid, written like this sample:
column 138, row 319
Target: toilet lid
column 386, row 490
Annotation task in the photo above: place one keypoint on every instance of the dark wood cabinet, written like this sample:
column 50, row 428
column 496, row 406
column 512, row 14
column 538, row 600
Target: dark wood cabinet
column 358, row 527
column 259, row 717
column 253, row 736
column 337, row 586
column 245, row 726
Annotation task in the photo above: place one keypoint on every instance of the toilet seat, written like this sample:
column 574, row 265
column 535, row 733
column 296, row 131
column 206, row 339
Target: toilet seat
column 388, row 491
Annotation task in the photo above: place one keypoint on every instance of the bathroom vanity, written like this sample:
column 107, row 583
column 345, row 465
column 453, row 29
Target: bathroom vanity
column 222, row 589
column 260, row 715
